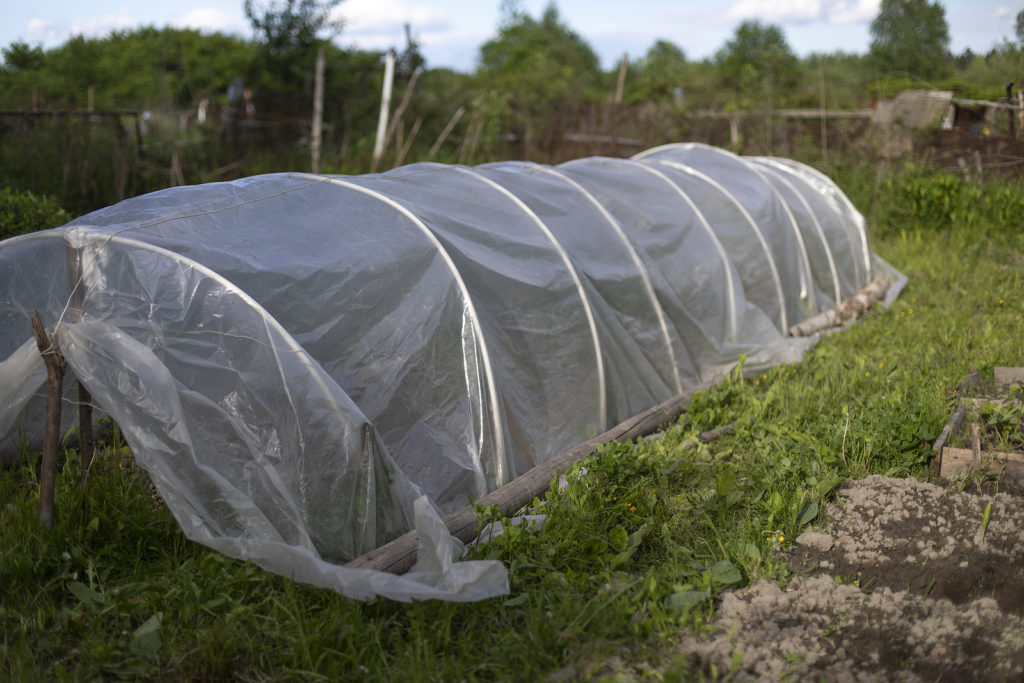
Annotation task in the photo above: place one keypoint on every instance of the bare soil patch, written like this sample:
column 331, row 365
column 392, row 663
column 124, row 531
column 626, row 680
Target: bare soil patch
column 905, row 581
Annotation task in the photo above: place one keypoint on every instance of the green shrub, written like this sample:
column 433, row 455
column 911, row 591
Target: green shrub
column 22, row 212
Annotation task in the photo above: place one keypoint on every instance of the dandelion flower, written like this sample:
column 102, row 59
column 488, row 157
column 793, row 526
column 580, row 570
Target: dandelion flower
column 781, row 538
column 903, row 314
column 867, row 374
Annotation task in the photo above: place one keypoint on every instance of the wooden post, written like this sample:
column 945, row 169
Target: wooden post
column 86, row 443
column 318, row 112
column 824, row 115
column 54, row 362
column 1010, row 118
column 385, row 109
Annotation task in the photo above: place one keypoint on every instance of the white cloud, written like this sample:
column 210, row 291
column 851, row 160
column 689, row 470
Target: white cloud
column 776, row 10
column 1003, row 11
column 212, row 19
column 381, row 23
column 803, row 11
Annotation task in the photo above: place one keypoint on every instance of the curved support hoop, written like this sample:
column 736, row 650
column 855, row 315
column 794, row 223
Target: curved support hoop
column 499, row 436
column 783, row 319
column 644, row 275
column 588, row 310
column 777, row 171
column 729, row 285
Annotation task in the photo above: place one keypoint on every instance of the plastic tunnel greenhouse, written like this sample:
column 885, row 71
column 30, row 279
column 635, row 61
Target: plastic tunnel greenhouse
column 308, row 366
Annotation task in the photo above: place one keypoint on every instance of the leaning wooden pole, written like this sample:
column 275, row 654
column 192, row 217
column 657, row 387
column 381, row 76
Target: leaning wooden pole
column 54, row 362
column 399, row 555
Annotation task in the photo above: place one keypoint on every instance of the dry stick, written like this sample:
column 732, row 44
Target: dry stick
column 85, row 434
column 408, row 143
column 54, row 362
column 406, row 96
column 446, row 132
column 464, row 147
column 86, row 443
column 853, row 307
column 399, row 555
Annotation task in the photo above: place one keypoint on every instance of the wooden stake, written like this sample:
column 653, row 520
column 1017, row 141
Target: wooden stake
column 54, row 362
column 86, row 443
column 318, row 113
column 385, row 109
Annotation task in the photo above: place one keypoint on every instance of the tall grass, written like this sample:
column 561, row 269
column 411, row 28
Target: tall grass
column 638, row 542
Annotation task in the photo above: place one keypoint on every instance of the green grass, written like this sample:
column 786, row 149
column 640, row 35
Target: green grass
column 637, row 546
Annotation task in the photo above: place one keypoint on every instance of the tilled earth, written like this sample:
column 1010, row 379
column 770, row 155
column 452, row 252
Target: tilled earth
column 906, row 581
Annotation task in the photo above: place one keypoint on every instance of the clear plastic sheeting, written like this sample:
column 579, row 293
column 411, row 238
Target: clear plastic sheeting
column 308, row 366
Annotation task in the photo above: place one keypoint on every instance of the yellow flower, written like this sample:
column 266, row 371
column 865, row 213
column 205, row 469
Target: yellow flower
column 910, row 312
column 879, row 366
column 867, row 374
column 1000, row 302
column 781, row 538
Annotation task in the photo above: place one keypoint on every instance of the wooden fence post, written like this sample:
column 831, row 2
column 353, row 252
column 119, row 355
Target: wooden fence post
column 54, row 362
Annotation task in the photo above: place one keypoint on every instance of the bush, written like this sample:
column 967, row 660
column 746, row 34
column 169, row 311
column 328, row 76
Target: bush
column 22, row 212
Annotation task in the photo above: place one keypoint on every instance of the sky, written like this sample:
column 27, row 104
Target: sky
column 450, row 32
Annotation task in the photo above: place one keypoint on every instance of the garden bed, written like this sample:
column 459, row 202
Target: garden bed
column 985, row 436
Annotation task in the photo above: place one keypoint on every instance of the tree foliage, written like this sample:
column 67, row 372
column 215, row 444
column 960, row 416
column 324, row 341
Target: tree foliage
column 911, row 36
column 661, row 75
column 146, row 68
column 537, row 65
column 289, row 33
column 758, row 65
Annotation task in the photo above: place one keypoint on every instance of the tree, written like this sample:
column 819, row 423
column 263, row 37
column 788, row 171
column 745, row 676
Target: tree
column 22, row 57
column 290, row 32
column 1019, row 27
column 537, row 66
column 910, row 36
column 758, row 65
column 661, row 74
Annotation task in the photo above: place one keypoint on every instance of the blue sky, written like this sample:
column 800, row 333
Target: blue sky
column 451, row 31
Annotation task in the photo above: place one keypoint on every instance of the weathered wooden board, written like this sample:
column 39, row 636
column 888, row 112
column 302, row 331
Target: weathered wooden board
column 1008, row 377
column 958, row 460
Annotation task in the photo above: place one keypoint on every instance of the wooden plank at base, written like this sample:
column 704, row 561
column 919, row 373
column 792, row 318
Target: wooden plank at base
column 1007, row 377
column 399, row 555
column 958, row 460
